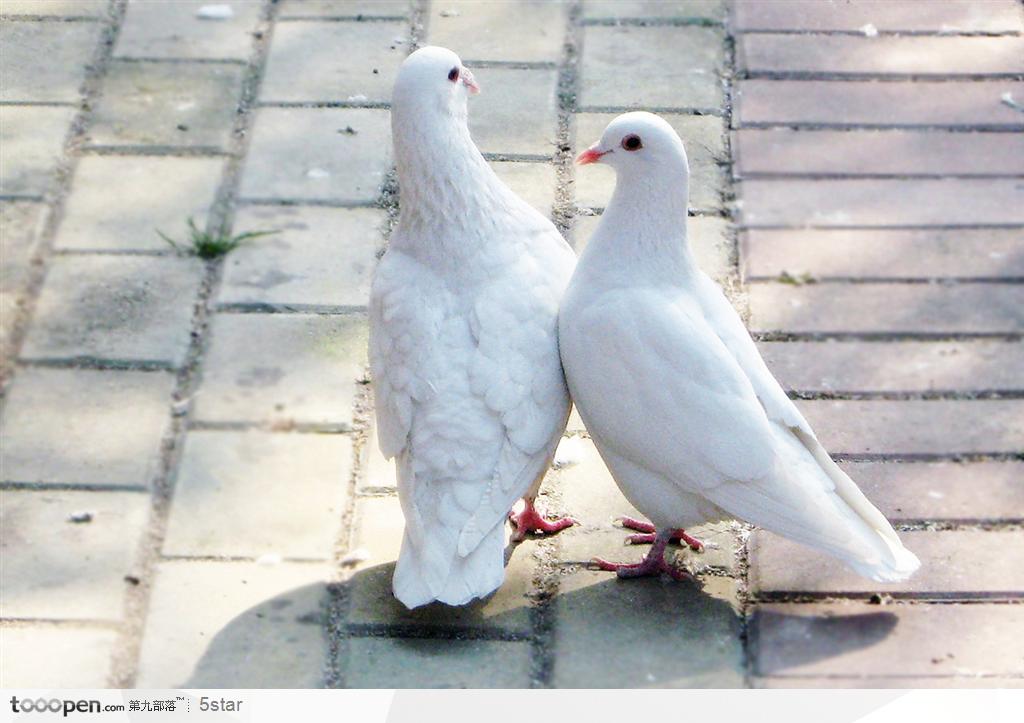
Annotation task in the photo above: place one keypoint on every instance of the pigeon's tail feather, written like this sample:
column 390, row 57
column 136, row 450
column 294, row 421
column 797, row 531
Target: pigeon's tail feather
column 476, row 575
column 822, row 508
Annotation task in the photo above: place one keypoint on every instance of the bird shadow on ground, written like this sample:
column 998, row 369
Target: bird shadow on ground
column 597, row 632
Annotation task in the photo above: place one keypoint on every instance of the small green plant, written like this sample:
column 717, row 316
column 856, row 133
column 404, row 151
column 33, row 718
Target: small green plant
column 207, row 245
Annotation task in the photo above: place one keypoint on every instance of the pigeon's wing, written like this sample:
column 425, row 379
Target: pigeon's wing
column 517, row 371
column 780, row 408
column 680, row 401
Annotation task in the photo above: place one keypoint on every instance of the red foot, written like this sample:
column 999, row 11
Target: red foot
column 529, row 520
column 652, row 565
column 649, row 534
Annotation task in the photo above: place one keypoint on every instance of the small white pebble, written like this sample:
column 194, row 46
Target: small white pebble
column 398, row 40
column 358, row 555
column 869, row 30
column 269, row 560
column 80, row 517
column 935, row 495
column 358, row 98
column 450, row 13
column 318, row 173
column 215, row 12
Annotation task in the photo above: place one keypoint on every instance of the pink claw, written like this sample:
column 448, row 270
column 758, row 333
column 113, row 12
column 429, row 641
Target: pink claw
column 529, row 520
column 648, row 536
column 652, row 565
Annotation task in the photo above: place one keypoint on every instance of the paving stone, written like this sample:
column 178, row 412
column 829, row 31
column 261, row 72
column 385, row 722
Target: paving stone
column 516, row 113
column 56, row 568
column 870, row 104
column 905, row 366
column 248, row 626
column 171, row 29
column 624, row 67
column 57, row 8
column 20, row 222
column 282, row 369
column 305, row 65
column 45, row 61
column 643, row 625
column 134, row 309
column 167, row 104
column 56, row 656
column 704, row 137
column 33, row 141
column 851, row 55
column 344, row 8
column 319, row 256
column 918, row 427
column 120, row 202
column 248, row 494
column 887, row 308
column 380, row 525
column 882, row 253
column 524, row 32
column 615, row 9
column 947, row 16
column 942, row 490
column 855, row 639
column 949, row 565
column 427, row 663
column 533, row 182
column 306, row 154
column 862, row 202
column 98, row 443
column 708, row 237
column 782, row 151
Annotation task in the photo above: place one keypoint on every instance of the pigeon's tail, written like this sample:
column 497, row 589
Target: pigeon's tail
column 811, row 500
column 476, row 575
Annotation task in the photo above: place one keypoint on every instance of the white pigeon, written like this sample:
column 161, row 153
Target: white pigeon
column 470, row 396
column 689, row 420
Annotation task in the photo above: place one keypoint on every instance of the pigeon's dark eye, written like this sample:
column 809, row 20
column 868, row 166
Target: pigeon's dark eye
column 453, row 74
column 632, row 143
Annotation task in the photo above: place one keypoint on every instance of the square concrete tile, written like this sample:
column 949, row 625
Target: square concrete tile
column 52, row 656
column 33, row 141
column 319, row 257
column 56, row 568
column 516, row 112
column 247, row 626
column 652, row 67
column 349, row 9
column 282, row 369
column 171, row 29
column 649, row 9
column 45, row 61
column 318, row 154
column 305, row 65
column 123, row 308
column 110, row 426
column 533, row 182
column 412, row 663
column 167, row 104
column 523, row 32
column 247, row 494
column 57, row 8
column 21, row 222
column 120, row 202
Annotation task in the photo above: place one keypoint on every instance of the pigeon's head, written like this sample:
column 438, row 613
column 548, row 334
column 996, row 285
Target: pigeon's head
column 636, row 143
column 433, row 80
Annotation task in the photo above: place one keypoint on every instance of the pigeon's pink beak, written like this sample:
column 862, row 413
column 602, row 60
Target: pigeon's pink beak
column 469, row 81
column 591, row 155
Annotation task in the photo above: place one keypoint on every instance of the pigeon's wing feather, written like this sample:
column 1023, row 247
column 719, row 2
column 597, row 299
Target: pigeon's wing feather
column 665, row 364
column 517, row 371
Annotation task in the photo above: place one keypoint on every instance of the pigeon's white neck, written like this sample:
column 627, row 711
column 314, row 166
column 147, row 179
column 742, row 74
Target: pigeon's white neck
column 445, row 185
column 643, row 229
